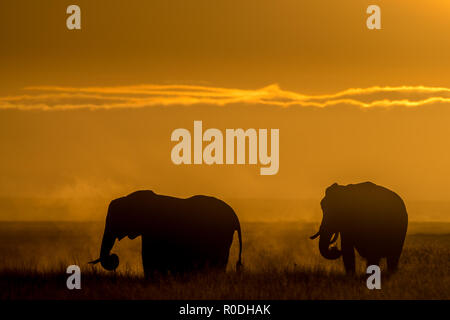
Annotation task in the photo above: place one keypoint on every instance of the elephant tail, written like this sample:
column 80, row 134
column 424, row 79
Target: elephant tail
column 239, row 263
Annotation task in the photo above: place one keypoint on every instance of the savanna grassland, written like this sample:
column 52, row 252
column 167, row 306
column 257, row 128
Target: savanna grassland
column 280, row 262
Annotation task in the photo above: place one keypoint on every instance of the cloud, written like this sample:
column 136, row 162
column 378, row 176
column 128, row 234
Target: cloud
column 147, row 95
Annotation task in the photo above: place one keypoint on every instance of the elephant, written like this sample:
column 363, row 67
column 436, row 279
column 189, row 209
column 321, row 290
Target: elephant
column 369, row 218
column 179, row 235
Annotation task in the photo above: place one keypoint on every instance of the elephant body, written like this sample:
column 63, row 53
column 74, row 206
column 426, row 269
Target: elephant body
column 369, row 218
column 178, row 235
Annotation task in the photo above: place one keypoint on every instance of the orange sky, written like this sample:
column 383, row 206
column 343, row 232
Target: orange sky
column 89, row 113
column 304, row 46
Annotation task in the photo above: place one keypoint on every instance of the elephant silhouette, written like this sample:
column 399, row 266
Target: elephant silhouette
column 369, row 218
column 178, row 235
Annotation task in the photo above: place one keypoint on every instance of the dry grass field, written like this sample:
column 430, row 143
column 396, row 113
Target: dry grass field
column 280, row 262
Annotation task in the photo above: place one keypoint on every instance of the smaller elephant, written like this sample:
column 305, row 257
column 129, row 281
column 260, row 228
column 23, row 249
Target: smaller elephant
column 369, row 218
column 178, row 235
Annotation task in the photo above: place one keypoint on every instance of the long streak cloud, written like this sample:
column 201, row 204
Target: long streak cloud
column 147, row 95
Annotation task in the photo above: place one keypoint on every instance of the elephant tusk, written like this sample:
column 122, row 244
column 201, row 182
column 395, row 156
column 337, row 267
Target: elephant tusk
column 94, row 261
column 315, row 236
column 335, row 237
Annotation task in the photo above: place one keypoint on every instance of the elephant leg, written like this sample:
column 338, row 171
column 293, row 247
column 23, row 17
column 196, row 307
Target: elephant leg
column 146, row 262
column 224, row 259
column 186, row 260
column 151, row 258
column 219, row 261
column 348, row 254
column 373, row 261
column 392, row 262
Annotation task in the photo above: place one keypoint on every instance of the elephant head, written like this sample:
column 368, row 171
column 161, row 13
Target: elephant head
column 118, row 225
column 330, row 226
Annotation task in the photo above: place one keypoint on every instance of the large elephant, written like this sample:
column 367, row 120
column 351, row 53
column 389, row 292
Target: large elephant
column 369, row 218
column 178, row 235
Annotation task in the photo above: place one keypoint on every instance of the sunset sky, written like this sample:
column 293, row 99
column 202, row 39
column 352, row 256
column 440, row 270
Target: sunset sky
column 89, row 113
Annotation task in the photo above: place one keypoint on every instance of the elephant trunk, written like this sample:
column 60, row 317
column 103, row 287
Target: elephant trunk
column 324, row 246
column 108, row 261
column 107, row 244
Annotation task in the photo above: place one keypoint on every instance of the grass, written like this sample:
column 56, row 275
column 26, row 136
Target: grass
column 280, row 263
